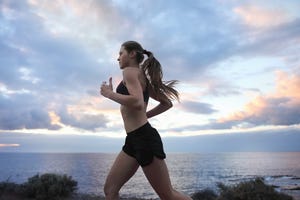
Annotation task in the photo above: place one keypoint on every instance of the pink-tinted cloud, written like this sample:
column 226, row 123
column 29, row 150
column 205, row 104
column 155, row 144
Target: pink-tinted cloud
column 9, row 145
column 282, row 107
column 260, row 17
column 288, row 85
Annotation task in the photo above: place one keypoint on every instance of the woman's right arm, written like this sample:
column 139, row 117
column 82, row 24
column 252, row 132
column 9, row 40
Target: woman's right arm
column 135, row 97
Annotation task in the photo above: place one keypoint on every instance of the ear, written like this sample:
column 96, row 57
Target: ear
column 132, row 54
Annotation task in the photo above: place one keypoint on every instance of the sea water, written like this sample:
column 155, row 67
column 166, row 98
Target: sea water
column 189, row 172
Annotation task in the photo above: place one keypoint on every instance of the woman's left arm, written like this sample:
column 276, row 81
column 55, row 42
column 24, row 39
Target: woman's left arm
column 164, row 104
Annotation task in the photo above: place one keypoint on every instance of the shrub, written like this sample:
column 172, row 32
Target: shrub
column 49, row 186
column 248, row 190
column 8, row 187
column 251, row 190
column 206, row 194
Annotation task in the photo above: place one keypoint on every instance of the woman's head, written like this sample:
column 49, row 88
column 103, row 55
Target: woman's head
column 136, row 49
column 151, row 68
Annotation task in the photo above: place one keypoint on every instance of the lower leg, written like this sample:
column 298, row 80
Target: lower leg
column 111, row 192
column 111, row 195
column 179, row 196
column 174, row 195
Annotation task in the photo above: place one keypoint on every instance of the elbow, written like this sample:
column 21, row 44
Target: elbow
column 170, row 105
column 167, row 104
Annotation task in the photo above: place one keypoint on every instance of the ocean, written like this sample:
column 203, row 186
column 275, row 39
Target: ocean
column 189, row 172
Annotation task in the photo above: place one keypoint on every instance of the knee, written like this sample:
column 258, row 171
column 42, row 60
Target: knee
column 165, row 197
column 110, row 191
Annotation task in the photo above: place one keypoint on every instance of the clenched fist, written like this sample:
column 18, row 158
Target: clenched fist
column 106, row 89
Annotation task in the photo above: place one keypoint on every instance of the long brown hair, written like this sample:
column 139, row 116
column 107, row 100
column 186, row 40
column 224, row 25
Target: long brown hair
column 153, row 72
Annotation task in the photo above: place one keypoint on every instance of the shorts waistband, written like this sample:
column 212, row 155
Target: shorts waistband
column 140, row 129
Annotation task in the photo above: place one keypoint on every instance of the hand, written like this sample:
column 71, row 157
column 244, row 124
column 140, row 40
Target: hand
column 106, row 90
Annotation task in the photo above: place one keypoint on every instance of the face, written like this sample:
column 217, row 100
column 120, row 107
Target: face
column 124, row 58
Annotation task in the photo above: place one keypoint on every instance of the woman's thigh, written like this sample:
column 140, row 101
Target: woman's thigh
column 158, row 176
column 121, row 171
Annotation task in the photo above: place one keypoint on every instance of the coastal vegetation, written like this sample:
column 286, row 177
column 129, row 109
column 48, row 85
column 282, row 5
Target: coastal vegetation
column 63, row 187
column 40, row 187
column 249, row 190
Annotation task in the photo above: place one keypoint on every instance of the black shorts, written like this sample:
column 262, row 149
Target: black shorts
column 143, row 144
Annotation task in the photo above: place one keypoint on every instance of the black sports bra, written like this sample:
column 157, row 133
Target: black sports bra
column 122, row 89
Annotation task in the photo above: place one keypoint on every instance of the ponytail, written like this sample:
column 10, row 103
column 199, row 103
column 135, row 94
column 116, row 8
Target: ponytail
column 154, row 74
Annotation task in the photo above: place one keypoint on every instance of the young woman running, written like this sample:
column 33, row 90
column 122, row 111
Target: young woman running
column 143, row 146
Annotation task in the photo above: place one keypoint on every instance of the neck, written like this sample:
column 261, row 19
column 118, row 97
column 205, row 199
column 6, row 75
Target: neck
column 135, row 65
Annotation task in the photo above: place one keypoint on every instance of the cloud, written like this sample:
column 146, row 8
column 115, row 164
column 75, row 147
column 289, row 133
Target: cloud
column 59, row 143
column 28, row 110
column 23, row 109
column 184, row 36
column 195, row 42
column 279, row 41
column 41, row 71
column 56, row 53
column 262, row 141
column 198, row 129
column 83, row 120
column 9, row 145
column 26, row 74
column 278, row 141
column 288, row 85
column 81, row 19
column 197, row 107
column 218, row 86
column 260, row 17
column 52, row 59
column 281, row 107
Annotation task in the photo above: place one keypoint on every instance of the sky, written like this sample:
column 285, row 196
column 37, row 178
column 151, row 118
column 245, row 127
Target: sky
column 237, row 62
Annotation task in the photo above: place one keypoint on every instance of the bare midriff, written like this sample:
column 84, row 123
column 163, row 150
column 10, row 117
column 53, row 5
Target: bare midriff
column 133, row 118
